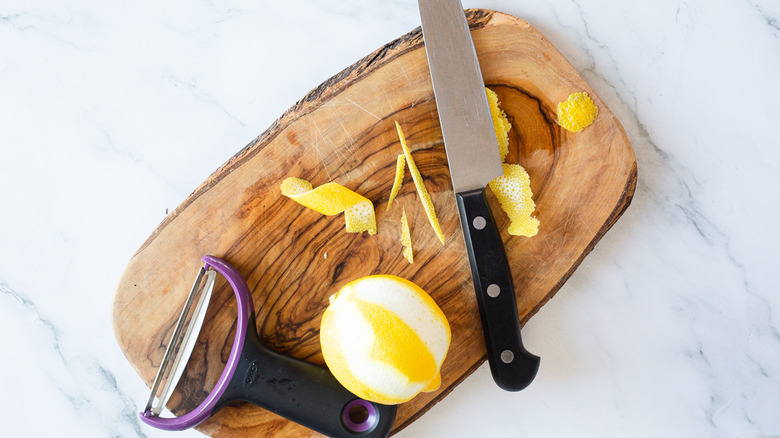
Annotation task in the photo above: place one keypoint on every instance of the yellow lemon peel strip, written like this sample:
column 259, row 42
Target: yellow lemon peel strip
column 399, row 179
column 513, row 190
column 390, row 329
column 331, row 199
column 577, row 112
column 406, row 238
column 500, row 123
column 420, row 185
column 295, row 186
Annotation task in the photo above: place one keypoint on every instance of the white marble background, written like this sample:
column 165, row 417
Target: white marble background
column 111, row 113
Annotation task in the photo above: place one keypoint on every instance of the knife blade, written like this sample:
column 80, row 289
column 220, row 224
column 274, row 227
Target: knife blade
column 474, row 160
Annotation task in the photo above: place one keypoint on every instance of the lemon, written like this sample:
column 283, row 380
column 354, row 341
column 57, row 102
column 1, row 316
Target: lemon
column 384, row 339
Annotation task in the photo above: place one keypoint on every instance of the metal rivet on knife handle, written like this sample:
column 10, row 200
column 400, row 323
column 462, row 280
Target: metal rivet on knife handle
column 479, row 222
column 507, row 356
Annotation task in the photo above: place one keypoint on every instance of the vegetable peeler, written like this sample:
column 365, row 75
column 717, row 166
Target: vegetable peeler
column 302, row 392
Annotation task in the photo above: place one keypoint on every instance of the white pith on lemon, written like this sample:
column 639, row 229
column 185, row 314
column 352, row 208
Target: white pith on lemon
column 384, row 339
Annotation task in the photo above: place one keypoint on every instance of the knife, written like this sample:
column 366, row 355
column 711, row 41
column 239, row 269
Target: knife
column 474, row 160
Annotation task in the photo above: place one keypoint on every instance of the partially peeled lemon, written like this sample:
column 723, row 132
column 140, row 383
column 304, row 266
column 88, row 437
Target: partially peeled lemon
column 384, row 339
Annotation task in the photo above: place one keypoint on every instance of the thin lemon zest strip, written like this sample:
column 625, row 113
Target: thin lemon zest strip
column 399, row 179
column 500, row 123
column 331, row 199
column 577, row 112
column 425, row 198
column 406, row 238
column 513, row 190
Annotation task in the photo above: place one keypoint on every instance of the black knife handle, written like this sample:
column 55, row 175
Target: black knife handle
column 303, row 392
column 512, row 366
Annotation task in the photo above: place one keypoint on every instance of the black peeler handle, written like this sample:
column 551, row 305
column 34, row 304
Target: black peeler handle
column 302, row 392
column 512, row 366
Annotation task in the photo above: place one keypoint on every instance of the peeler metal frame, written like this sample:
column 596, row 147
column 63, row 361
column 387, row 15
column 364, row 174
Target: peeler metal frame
column 300, row 391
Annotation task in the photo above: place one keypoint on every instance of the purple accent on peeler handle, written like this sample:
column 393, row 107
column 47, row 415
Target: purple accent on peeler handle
column 246, row 308
column 364, row 425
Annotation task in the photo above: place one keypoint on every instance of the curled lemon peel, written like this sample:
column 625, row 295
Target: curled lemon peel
column 406, row 238
column 331, row 199
column 425, row 198
column 513, row 190
column 577, row 112
column 500, row 123
column 399, row 179
column 295, row 186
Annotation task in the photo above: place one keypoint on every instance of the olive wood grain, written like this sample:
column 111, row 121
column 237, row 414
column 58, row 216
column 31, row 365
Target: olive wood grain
column 343, row 131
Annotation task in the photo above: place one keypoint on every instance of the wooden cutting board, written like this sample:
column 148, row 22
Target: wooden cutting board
column 343, row 131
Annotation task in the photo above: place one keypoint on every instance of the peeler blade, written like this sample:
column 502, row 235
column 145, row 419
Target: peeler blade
column 182, row 342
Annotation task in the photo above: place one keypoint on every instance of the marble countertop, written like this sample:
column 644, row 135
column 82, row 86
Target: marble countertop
column 111, row 113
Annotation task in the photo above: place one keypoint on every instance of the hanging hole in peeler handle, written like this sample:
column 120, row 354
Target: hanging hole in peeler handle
column 360, row 416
